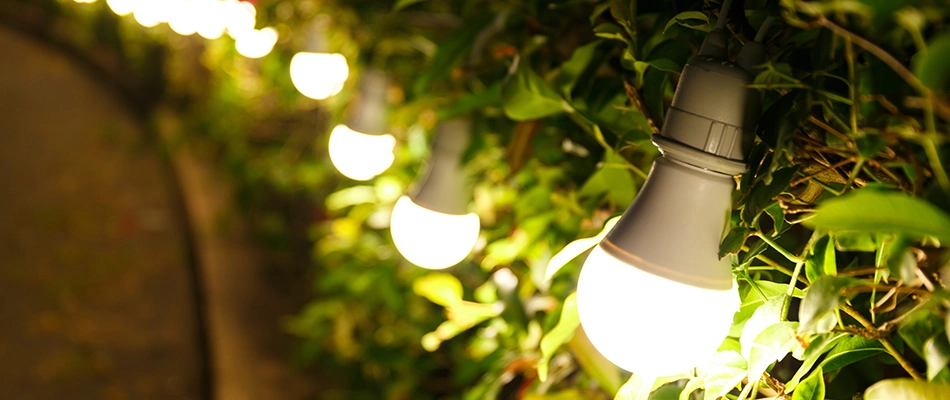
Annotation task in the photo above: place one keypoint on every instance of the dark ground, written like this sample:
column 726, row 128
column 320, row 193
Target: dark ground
column 96, row 288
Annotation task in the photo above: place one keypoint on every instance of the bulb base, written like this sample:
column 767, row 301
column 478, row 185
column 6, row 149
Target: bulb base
column 676, row 236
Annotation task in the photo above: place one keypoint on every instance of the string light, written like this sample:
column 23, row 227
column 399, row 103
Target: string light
column 318, row 75
column 256, row 43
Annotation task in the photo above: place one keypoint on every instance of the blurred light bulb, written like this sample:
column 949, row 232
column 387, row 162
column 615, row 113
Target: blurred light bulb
column 256, row 43
column 183, row 17
column 211, row 18
column 151, row 13
column 85, row 1
column 122, row 7
column 239, row 16
column 318, row 75
column 431, row 239
column 648, row 324
column 360, row 156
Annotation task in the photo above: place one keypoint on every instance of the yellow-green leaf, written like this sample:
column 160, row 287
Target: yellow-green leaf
column 906, row 388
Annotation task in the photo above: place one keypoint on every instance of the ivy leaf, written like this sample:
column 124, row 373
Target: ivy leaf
column 576, row 248
column 726, row 370
column 690, row 19
column 931, row 66
column 560, row 334
column 866, row 210
column 821, row 260
column 528, row 97
column 850, row 350
column 822, row 298
column 812, row 388
column 906, row 388
column 937, row 354
column 440, row 288
column 773, row 344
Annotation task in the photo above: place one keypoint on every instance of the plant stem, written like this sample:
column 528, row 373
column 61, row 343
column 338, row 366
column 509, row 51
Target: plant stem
column 884, row 341
column 787, row 254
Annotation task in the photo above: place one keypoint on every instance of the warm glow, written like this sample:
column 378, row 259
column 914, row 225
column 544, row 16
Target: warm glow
column 183, row 17
column 256, row 43
column 211, row 18
column 647, row 324
column 122, row 7
column 359, row 156
column 432, row 239
column 85, row 1
column 239, row 17
column 318, row 75
column 150, row 13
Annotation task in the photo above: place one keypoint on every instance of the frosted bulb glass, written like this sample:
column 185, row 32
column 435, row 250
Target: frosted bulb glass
column 431, row 239
column 318, row 75
column 647, row 324
column 85, row 1
column 256, row 43
column 183, row 17
column 122, row 7
column 239, row 17
column 211, row 17
column 359, row 156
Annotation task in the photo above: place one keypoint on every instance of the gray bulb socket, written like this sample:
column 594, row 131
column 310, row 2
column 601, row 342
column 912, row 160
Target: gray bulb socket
column 369, row 116
column 443, row 185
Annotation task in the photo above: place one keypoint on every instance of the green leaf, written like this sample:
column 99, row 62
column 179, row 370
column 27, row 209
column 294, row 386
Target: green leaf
column 726, row 370
column 850, row 350
column 666, row 392
column 899, row 260
column 613, row 179
column 919, row 326
column 560, row 334
column 638, row 387
column 572, row 69
column 610, row 31
column 866, row 210
column 819, row 345
column 812, row 388
column 471, row 102
column 576, row 248
column 451, row 49
column 931, row 66
column 693, row 385
column 821, row 260
column 690, row 19
column 773, row 344
column 770, row 313
column 822, row 298
column 906, row 388
column 732, row 243
column 440, row 288
column 527, row 97
column 937, row 354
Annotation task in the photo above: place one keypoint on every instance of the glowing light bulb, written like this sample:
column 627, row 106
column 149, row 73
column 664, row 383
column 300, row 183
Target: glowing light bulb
column 360, row 156
column 431, row 239
column 211, row 17
column 183, row 17
column 647, row 324
column 151, row 13
column 256, row 43
column 318, row 75
column 85, row 1
column 122, row 7
column 239, row 17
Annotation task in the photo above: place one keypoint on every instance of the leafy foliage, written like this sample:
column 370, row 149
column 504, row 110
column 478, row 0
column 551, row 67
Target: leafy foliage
column 840, row 225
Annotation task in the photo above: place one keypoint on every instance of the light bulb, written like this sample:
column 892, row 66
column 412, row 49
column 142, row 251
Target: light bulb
column 151, row 13
column 318, row 75
column 647, row 324
column 122, row 7
column 239, row 17
column 85, row 1
column 211, row 18
column 360, row 156
column 431, row 239
column 256, row 43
